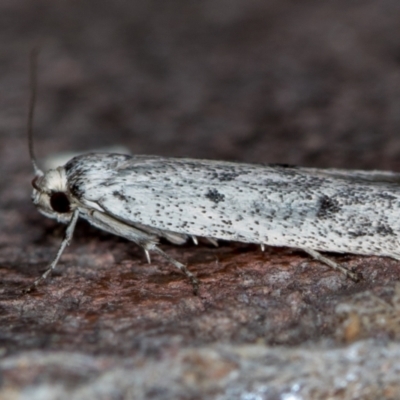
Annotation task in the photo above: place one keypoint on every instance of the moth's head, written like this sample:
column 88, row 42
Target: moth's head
column 51, row 195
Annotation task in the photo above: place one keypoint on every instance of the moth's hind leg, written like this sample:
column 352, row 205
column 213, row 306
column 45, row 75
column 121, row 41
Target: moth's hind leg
column 319, row 257
column 193, row 280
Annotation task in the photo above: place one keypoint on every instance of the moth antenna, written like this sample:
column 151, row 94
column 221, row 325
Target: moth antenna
column 32, row 102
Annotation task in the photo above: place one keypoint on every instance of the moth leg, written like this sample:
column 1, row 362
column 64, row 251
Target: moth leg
column 319, row 257
column 147, row 256
column 262, row 246
column 67, row 238
column 212, row 241
column 194, row 239
column 193, row 280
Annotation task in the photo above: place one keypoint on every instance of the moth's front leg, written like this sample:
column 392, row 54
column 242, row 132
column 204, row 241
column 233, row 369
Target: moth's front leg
column 66, row 241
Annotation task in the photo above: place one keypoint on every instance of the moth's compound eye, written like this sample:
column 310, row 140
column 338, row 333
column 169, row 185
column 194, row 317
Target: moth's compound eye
column 59, row 202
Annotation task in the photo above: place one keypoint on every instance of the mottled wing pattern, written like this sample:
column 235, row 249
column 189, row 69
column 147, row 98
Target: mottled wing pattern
column 326, row 210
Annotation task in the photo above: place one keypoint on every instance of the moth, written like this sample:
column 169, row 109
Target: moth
column 145, row 198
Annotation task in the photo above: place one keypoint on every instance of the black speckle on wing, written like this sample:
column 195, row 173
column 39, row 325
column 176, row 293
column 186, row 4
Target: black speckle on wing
column 327, row 207
column 225, row 176
column 385, row 230
column 76, row 188
column 215, row 196
column 119, row 195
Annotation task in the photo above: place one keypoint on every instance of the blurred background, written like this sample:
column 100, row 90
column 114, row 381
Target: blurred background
column 311, row 83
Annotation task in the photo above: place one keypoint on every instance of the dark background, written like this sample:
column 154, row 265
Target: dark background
column 314, row 83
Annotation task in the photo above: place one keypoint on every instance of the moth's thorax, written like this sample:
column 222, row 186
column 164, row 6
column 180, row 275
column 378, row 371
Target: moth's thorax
column 51, row 195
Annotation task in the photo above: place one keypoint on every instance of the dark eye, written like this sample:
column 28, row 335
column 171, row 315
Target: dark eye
column 59, row 202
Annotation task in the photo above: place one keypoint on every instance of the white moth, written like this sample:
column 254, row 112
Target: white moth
column 145, row 198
